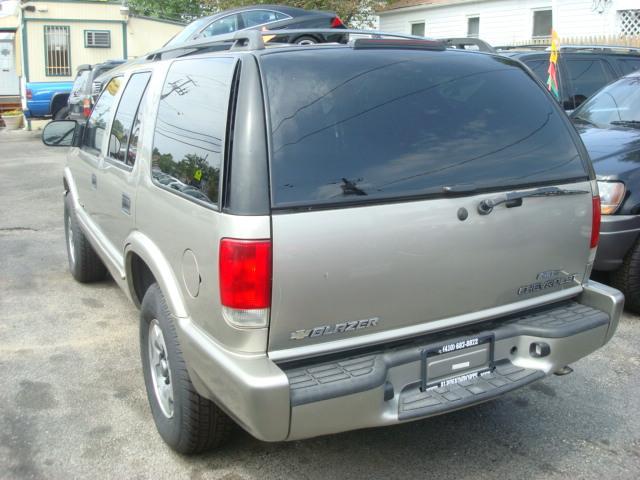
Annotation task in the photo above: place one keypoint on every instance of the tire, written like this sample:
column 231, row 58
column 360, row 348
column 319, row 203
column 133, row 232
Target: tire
column 186, row 421
column 61, row 114
column 627, row 278
column 305, row 40
column 84, row 263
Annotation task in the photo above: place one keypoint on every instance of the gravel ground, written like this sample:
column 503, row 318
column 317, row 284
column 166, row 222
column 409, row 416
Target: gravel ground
column 72, row 400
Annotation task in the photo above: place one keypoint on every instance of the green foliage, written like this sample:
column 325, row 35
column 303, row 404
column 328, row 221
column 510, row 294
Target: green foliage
column 354, row 13
column 180, row 10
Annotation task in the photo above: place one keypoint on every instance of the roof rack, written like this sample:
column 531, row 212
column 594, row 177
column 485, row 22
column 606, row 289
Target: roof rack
column 577, row 48
column 462, row 42
column 255, row 40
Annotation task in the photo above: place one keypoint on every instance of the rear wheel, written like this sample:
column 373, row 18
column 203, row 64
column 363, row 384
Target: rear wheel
column 627, row 278
column 305, row 40
column 186, row 421
column 84, row 263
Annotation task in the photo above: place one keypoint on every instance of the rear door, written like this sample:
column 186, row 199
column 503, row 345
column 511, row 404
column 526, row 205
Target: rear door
column 584, row 76
column 379, row 161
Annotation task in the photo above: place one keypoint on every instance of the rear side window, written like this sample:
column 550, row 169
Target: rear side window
column 190, row 128
column 80, row 82
column 356, row 125
column 260, row 17
column 540, row 67
column 97, row 124
column 586, row 77
column 124, row 120
column 629, row 65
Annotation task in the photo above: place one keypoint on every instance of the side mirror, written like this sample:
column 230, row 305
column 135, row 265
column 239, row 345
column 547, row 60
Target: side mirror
column 60, row 133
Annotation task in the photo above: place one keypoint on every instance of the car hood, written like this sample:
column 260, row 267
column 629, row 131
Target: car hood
column 613, row 151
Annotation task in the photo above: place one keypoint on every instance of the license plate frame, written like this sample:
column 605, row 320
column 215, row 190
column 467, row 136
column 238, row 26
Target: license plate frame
column 457, row 345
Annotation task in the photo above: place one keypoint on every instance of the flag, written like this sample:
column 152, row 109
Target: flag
column 552, row 81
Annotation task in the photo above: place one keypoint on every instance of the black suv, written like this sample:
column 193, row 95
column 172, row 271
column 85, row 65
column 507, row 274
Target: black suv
column 85, row 89
column 582, row 71
column 609, row 124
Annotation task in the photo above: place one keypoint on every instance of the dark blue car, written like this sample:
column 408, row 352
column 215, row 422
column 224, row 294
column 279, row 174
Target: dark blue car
column 609, row 124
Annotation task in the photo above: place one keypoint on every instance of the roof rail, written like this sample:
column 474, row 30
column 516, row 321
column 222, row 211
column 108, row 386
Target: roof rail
column 601, row 48
column 254, row 40
column 462, row 42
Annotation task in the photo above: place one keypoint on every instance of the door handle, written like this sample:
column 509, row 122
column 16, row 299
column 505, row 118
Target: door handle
column 126, row 204
column 94, row 181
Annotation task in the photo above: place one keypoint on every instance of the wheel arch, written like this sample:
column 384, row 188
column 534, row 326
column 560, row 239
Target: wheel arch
column 59, row 100
column 144, row 265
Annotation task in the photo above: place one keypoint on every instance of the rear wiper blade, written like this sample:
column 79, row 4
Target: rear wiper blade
column 627, row 123
column 514, row 199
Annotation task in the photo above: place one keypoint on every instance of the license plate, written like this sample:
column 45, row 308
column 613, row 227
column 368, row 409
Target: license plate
column 456, row 361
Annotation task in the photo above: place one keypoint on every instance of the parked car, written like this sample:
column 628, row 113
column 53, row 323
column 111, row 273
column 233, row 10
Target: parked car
column 47, row 99
column 325, row 278
column 260, row 17
column 86, row 89
column 582, row 70
column 609, row 124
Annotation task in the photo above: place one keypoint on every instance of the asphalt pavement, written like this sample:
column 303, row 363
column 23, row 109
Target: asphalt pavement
column 73, row 405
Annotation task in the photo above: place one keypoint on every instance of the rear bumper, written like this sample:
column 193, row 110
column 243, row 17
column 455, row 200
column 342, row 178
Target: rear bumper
column 618, row 233
column 382, row 386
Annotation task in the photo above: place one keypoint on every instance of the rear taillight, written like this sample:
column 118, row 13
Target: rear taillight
column 29, row 94
column 337, row 23
column 86, row 107
column 245, row 281
column 595, row 223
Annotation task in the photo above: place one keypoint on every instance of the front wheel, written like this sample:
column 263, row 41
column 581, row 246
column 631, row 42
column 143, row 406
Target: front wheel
column 84, row 263
column 627, row 279
column 186, row 421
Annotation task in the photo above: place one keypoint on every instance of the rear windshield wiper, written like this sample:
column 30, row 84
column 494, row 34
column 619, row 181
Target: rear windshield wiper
column 627, row 123
column 514, row 199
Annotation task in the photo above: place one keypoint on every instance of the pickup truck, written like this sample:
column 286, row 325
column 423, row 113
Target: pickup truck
column 47, row 99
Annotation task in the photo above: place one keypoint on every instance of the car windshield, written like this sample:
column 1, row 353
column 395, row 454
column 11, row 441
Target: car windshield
column 188, row 32
column 617, row 104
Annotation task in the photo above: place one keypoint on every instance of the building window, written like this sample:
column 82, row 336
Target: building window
column 417, row 29
column 473, row 27
column 56, row 47
column 542, row 23
column 97, row 38
column 629, row 22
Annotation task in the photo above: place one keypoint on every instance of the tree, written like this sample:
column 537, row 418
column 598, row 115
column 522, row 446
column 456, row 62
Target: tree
column 179, row 10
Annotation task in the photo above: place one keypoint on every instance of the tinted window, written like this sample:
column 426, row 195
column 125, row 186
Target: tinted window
column 80, row 82
column 628, row 66
column 125, row 115
column 228, row 24
column 616, row 104
column 352, row 125
column 258, row 17
column 97, row 124
column 540, row 68
column 586, row 77
column 190, row 128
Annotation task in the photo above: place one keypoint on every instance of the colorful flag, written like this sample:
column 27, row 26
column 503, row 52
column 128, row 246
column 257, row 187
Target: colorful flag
column 552, row 82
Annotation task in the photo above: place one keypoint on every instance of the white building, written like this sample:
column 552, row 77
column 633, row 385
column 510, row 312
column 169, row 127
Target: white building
column 504, row 22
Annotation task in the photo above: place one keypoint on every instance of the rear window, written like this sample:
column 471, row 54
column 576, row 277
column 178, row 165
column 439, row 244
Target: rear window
column 356, row 125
